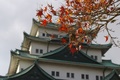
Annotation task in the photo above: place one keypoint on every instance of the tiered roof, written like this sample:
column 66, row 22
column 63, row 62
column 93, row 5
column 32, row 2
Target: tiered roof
column 61, row 55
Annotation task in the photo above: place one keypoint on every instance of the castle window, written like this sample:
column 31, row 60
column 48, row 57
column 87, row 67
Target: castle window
column 43, row 34
column 68, row 75
column 92, row 56
column 72, row 75
column 97, row 77
column 82, row 76
column 87, row 76
column 101, row 78
column 37, row 51
column 41, row 51
column 57, row 74
column 53, row 73
column 95, row 57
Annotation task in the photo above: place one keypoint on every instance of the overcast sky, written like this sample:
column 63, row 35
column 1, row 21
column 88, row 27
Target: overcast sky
column 16, row 17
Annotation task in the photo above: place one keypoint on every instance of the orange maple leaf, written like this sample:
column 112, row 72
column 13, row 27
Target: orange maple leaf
column 49, row 17
column 72, row 48
column 70, row 45
column 45, row 9
column 80, row 30
column 63, row 28
column 67, row 3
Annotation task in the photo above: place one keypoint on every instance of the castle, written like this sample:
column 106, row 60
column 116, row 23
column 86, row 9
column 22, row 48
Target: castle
column 43, row 56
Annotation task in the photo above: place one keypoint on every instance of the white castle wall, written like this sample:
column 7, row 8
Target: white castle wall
column 63, row 69
column 42, row 32
column 48, row 31
column 42, row 46
column 23, row 64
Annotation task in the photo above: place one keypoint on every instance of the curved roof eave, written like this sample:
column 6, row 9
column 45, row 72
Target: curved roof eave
column 103, row 47
column 108, row 63
column 37, row 57
column 13, row 64
column 41, row 39
column 26, row 42
column 36, row 25
column 99, row 46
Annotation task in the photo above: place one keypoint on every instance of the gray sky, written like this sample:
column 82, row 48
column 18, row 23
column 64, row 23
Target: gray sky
column 16, row 17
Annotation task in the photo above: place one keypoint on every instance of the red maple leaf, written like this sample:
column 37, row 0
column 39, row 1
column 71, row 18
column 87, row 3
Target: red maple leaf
column 106, row 38
column 71, row 20
column 39, row 12
column 44, row 22
column 62, row 10
column 50, row 6
column 73, row 50
column 53, row 11
column 64, row 40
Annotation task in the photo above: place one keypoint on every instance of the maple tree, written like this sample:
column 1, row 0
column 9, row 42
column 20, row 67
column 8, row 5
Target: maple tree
column 82, row 19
